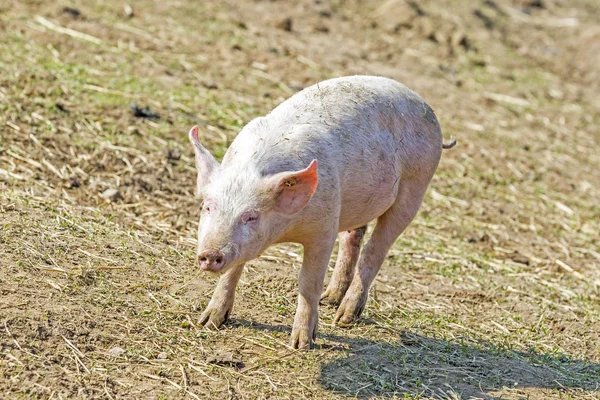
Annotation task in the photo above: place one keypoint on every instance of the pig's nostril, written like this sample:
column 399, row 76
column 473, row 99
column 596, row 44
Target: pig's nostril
column 202, row 259
column 218, row 260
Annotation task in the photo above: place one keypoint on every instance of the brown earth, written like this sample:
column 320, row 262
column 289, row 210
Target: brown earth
column 492, row 292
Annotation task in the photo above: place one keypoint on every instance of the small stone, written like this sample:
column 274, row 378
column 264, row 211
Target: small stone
column 519, row 258
column 161, row 356
column 556, row 94
column 116, row 351
column 260, row 66
column 111, row 195
column 128, row 10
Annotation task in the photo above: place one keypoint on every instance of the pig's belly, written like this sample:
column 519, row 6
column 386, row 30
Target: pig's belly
column 364, row 203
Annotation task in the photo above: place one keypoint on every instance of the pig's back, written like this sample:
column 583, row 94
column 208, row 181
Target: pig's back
column 366, row 132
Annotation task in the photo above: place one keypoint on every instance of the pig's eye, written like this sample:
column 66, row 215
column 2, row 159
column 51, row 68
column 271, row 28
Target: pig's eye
column 207, row 207
column 249, row 216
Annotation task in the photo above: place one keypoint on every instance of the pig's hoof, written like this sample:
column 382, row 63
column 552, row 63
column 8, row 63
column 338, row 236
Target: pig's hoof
column 213, row 318
column 349, row 311
column 332, row 296
column 302, row 338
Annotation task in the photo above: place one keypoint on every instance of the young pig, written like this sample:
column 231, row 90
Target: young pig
column 330, row 159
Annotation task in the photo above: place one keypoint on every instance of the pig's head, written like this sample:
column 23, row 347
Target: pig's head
column 243, row 212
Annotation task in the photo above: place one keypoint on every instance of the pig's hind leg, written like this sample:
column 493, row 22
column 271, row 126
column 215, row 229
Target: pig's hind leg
column 350, row 242
column 389, row 226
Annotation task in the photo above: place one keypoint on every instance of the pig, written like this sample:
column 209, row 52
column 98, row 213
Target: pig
column 330, row 159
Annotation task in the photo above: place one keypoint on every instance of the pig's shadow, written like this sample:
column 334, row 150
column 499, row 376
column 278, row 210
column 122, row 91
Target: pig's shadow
column 419, row 365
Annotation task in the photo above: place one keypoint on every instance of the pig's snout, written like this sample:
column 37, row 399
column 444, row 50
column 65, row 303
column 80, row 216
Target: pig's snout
column 211, row 260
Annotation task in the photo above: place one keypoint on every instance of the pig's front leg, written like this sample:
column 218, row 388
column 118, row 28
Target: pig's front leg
column 312, row 273
column 221, row 303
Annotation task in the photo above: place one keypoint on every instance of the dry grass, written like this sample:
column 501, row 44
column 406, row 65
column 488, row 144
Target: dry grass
column 493, row 291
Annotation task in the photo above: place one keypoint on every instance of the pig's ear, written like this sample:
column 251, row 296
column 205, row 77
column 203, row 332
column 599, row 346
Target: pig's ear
column 205, row 162
column 292, row 190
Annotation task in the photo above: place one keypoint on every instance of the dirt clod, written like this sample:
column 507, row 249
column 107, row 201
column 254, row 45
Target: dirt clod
column 73, row 12
column 143, row 112
column 174, row 154
column 322, row 28
column 62, row 108
column 537, row 4
column 285, row 24
column 73, row 183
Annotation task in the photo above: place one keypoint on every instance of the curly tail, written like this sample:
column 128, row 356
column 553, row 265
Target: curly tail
column 449, row 145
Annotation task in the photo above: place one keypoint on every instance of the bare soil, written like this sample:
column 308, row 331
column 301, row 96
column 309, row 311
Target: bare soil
column 493, row 291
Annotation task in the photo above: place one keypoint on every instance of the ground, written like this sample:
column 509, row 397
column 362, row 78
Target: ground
column 492, row 292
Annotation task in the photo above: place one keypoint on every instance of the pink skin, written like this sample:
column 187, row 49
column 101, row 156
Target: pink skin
column 378, row 146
